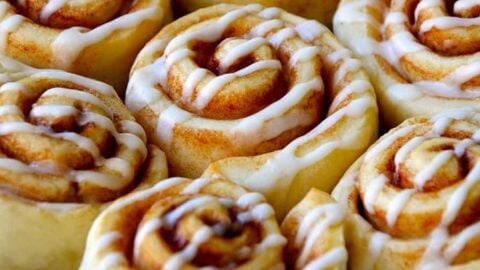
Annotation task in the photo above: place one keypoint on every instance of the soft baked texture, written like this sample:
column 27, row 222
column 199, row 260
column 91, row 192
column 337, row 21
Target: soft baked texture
column 413, row 198
column 423, row 56
column 97, row 39
column 186, row 224
column 261, row 98
column 68, row 146
column 315, row 232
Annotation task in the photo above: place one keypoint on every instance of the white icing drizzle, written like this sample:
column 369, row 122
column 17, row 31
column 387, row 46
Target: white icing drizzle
column 465, row 5
column 432, row 256
column 304, row 54
column 177, row 56
column 60, row 207
column 75, row 94
column 461, row 240
column 53, row 110
column 10, row 109
column 249, row 199
column 213, row 31
column 426, row 4
column 403, row 42
column 106, row 240
column 460, row 195
column 154, row 46
column 440, row 251
column 272, row 240
column 377, row 242
column 281, row 36
column 252, row 203
column 462, row 74
column 402, row 153
column 315, row 223
column 264, row 28
column 51, row 7
column 310, row 30
column 476, row 136
column 256, row 121
column 461, row 147
column 123, row 168
column 189, row 252
column 84, row 143
column 441, row 124
column 138, row 196
column 197, row 185
column 101, row 87
column 457, row 114
column 207, row 93
column 348, row 65
column 168, row 119
column 15, row 165
column 270, row 13
column 192, row 81
column 7, row 26
column 355, row 87
column 240, row 51
column 447, row 23
column 338, row 55
column 111, row 260
column 146, row 229
column 331, row 258
column 429, row 171
column 70, row 50
column 275, row 168
column 257, row 213
column 142, row 92
column 172, row 217
column 133, row 128
column 352, row 12
column 396, row 206
column 384, row 144
column 372, row 192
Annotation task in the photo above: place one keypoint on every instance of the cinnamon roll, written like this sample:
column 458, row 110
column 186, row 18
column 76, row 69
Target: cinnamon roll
column 423, row 56
column 68, row 146
column 413, row 199
column 97, row 39
column 321, row 11
column 314, row 229
column 208, row 223
column 276, row 91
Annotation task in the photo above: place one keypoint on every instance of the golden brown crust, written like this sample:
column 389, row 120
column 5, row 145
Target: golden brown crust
column 314, row 230
column 413, row 198
column 182, row 223
column 422, row 55
column 284, row 71
column 68, row 147
column 79, row 36
column 67, row 128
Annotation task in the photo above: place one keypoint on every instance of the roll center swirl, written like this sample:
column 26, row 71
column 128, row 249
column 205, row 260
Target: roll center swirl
column 66, row 140
column 432, row 165
column 180, row 223
column 248, row 69
column 423, row 169
column 240, row 78
column 212, row 229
